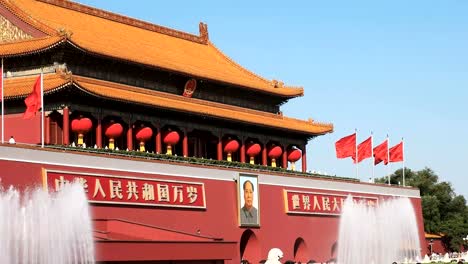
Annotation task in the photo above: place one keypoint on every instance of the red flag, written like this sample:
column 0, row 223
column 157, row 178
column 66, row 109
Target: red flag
column 364, row 150
column 346, row 147
column 396, row 152
column 381, row 153
column 33, row 101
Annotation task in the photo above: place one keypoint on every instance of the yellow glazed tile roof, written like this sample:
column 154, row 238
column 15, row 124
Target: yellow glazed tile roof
column 117, row 36
column 21, row 87
column 427, row 235
column 29, row 46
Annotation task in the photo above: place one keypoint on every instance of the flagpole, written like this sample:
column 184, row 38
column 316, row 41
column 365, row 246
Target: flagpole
column 372, row 153
column 403, row 151
column 3, row 110
column 356, row 155
column 388, row 160
column 42, row 108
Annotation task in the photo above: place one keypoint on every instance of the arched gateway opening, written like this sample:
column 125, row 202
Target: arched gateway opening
column 249, row 247
column 300, row 251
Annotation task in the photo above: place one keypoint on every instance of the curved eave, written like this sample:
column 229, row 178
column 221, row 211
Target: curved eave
column 21, row 87
column 162, row 100
column 285, row 91
column 30, row 46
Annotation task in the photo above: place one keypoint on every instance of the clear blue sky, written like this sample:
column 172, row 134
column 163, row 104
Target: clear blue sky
column 395, row 67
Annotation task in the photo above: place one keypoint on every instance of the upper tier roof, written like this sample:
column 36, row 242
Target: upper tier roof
column 101, row 32
column 20, row 87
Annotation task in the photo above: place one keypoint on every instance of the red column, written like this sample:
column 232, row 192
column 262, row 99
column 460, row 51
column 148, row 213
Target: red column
column 185, row 144
column 47, row 130
column 304, row 159
column 220, row 148
column 285, row 158
column 130, row 138
column 99, row 134
column 242, row 151
column 264, row 155
column 66, row 126
column 158, row 140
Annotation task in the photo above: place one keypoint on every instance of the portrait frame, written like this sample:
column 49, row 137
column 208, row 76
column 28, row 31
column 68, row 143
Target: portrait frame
column 246, row 217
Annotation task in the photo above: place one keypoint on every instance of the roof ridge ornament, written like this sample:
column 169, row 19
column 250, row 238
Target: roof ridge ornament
column 62, row 32
column 277, row 84
column 128, row 20
column 203, row 27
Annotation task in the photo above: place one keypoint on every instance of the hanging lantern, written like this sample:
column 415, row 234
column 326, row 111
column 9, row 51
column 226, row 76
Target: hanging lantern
column 273, row 153
column 142, row 135
column 293, row 156
column 171, row 138
column 252, row 150
column 113, row 131
column 81, row 126
column 230, row 147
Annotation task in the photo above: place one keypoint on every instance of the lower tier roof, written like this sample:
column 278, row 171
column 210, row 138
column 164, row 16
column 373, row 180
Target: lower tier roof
column 21, row 87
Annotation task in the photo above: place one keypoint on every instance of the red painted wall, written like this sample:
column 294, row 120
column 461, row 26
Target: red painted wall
column 437, row 246
column 23, row 130
column 220, row 219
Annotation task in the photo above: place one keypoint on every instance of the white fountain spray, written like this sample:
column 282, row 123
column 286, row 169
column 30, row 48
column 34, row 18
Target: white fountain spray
column 46, row 228
column 382, row 234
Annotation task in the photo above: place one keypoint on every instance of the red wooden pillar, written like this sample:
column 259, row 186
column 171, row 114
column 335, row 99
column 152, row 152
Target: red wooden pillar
column 220, row 148
column 99, row 133
column 130, row 138
column 185, row 144
column 304, row 159
column 46, row 129
column 158, row 140
column 285, row 158
column 264, row 155
column 66, row 126
column 242, row 151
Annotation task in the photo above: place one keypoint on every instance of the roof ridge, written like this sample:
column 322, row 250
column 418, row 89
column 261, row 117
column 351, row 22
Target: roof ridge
column 202, row 39
column 274, row 83
column 27, row 18
column 235, row 64
column 311, row 121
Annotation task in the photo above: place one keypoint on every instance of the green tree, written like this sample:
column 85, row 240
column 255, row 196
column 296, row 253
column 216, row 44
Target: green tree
column 424, row 180
column 431, row 214
column 397, row 177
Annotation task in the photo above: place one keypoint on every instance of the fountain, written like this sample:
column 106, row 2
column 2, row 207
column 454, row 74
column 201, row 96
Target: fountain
column 45, row 228
column 385, row 233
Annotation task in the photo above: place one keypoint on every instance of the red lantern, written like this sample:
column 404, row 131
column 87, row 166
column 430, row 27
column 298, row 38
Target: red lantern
column 252, row 150
column 142, row 135
column 230, row 146
column 81, row 126
column 171, row 138
column 113, row 131
column 274, row 152
column 293, row 156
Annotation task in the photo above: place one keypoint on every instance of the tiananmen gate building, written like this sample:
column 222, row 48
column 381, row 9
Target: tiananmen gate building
column 173, row 141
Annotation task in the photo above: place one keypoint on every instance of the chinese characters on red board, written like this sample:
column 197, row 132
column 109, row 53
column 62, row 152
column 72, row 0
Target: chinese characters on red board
column 139, row 191
column 320, row 203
